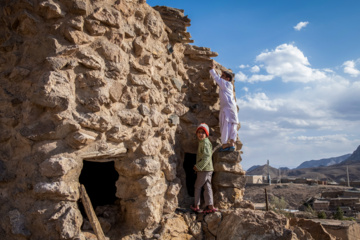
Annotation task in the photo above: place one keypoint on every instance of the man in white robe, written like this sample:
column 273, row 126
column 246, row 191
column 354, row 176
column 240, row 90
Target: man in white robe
column 228, row 110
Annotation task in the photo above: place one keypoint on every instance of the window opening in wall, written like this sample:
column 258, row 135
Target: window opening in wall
column 99, row 179
column 188, row 165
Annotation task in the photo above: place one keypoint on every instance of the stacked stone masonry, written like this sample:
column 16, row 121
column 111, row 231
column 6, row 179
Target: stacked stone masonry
column 114, row 81
column 90, row 80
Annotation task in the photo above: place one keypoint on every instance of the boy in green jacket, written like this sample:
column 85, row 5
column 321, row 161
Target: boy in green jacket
column 204, row 170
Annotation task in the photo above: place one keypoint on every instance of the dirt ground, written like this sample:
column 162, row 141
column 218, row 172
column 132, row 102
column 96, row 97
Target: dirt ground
column 294, row 194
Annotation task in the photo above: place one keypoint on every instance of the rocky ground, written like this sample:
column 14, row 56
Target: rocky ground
column 294, row 194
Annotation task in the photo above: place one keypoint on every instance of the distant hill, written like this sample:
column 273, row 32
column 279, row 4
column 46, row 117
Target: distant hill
column 323, row 162
column 354, row 158
column 284, row 168
column 263, row 170
column 336, row 172
column 253, row 167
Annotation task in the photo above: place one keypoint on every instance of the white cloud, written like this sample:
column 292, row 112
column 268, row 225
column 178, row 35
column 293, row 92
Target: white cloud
column 344, row 101
column 259, row 101
column 328, row 70
column 260, row 78
column 350, row 68
column 313, row 120
column 323, row 138
column 240, row 77
column 255, row 69
column 300, row 25
column 290, row 64
column 307, row 123
column 242, row 66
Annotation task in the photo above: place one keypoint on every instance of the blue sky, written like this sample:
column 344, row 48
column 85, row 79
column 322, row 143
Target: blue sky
column 297, row 66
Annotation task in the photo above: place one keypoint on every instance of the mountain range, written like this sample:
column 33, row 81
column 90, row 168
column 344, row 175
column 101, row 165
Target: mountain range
column 323, row 162
column 330, row 169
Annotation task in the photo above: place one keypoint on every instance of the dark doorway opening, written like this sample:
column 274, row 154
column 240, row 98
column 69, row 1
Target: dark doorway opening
column 99, row 179
column 188, row 165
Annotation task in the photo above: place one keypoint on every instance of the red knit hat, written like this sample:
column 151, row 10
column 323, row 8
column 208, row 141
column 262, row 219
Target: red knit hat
column 205, row 127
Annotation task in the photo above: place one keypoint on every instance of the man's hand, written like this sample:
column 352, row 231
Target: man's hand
column 195, row 168
column 212, row 66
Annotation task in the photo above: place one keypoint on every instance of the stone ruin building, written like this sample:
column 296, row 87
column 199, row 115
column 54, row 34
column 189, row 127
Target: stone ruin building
column 108, row 95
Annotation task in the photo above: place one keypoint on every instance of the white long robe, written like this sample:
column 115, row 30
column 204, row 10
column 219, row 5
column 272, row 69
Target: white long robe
column 227, row 100
column 228, row 110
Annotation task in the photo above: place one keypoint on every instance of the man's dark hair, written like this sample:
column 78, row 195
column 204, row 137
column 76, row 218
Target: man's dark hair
column 229, row 75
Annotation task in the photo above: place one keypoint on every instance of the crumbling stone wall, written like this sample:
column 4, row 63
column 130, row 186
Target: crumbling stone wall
column 202, row 101
column 98, row 81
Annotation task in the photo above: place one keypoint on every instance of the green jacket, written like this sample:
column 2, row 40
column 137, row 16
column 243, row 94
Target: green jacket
column 204, row 156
